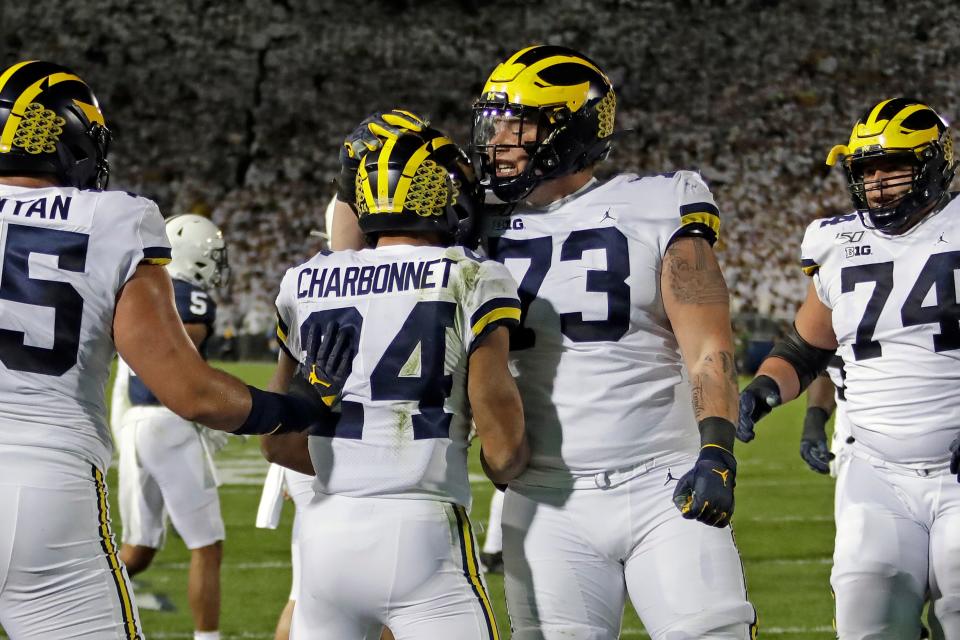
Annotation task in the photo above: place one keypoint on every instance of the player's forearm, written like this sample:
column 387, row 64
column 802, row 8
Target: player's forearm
column 508, row 466
column 821, row 394
column 713, row 381
column 289, row 450
column 783, row 373
column 216, row 400
column 498, row 414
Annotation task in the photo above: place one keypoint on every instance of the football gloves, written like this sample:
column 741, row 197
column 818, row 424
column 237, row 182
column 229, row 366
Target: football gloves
column 955, row 457
column 329, row 360
column 705, row 493
column 756, row 401
column 813, row 443
column 370, row 135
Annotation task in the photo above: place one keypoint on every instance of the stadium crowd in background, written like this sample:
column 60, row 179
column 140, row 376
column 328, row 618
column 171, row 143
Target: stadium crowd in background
column 744, row 90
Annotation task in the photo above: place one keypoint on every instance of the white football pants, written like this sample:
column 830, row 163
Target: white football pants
column 410, row 565
column 572, row 555
column 60, row 577
column 164, row 469
column 898, row 543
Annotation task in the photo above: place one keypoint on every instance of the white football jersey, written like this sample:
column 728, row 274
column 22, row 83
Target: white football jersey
column 895, row 315
column 416, row 312
column 841, row 428
column 599, row 369
column 65, row 253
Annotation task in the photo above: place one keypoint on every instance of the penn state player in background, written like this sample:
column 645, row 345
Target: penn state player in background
column 386, row 540
column 166, row 464
column 82, row 274
column 883, row 295
column 825, row 398
column 624, row 347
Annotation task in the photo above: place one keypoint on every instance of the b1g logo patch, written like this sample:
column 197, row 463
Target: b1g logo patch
column 853, row 252
column 506, row 224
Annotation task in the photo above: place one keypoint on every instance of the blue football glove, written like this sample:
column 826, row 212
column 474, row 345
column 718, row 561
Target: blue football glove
column 705, row 493
column 370, row 135
column 756, row 401
column 329, row 360
column 955, row 457
column 813, row 443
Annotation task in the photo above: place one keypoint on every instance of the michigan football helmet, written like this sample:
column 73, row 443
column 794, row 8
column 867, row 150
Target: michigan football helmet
column 560, row 92
column 198, row 252
column 906, row 133
column 51, row 124
column 419, row 182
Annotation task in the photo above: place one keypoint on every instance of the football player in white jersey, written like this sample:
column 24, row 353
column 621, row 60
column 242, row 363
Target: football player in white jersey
column 82, row 275
column 883, row 295
column 624, row 346
column 386, row 540
column 166, row 465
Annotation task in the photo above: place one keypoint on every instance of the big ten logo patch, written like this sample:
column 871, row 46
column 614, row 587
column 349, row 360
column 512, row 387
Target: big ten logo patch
column 853, row 252
column 507, row 224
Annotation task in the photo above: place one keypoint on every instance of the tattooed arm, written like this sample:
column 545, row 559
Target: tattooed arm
column 697, row 303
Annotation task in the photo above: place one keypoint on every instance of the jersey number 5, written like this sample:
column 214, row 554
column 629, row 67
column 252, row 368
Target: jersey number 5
column 68, row 249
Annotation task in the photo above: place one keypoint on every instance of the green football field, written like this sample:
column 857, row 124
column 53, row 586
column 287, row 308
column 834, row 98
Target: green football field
column 783, row 524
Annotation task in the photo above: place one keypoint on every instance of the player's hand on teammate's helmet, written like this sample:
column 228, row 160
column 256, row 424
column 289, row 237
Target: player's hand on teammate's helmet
column 705, row 493
column 813, row 443
column 329, row 359
column 370, row 135
column 756, row 401
column 955, row 457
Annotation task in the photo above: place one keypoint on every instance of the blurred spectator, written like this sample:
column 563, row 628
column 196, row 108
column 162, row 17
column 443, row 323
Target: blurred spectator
column 237, row 110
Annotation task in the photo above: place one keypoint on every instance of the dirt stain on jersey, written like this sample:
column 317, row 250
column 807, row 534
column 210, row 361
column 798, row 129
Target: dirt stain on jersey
column 402, row 428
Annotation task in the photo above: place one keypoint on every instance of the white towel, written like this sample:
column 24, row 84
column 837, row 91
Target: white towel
column 271, row 499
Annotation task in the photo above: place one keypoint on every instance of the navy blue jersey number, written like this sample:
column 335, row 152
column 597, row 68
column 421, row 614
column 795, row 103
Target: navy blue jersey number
column 611, row 281
column 16, row 285
column 939, row 274
column 394, row 377
column 540, row 252
column 880, row 273
column 411, row 369
column 350, row 424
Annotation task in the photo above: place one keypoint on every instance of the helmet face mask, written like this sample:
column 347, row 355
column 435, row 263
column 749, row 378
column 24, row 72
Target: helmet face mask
column 51, row 124
column 899, row 164
column 554, row 105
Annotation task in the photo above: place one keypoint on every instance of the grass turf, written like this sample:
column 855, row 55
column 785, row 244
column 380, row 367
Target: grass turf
column 783, row 524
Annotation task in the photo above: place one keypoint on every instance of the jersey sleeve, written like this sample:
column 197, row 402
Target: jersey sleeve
column 287, row 335
column 194, row 305
column 697, row 214
column 143, row 231
column 153, row 236
column 492, row 302
column 813, row 251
